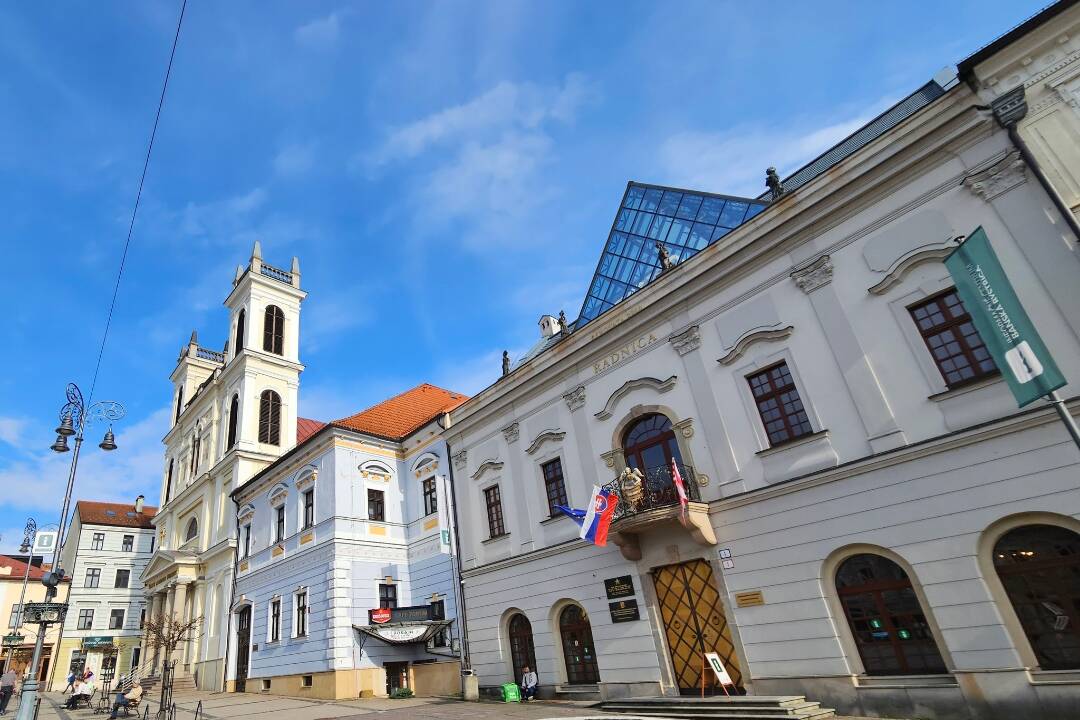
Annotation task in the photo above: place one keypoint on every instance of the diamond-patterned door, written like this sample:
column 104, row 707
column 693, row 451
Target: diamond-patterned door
column 694, row 623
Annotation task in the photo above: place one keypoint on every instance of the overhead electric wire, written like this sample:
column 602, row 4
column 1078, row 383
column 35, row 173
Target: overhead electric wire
column 138, row 199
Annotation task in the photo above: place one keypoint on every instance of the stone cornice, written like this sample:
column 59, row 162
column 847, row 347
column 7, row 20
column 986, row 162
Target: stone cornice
column 686, row 341
column 742, row 344
column 815, row 275
column 999, row 178
column 660, row 386
column 543, row 437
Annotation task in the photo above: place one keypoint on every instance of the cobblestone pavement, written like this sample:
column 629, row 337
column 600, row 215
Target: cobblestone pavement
column 224, row 706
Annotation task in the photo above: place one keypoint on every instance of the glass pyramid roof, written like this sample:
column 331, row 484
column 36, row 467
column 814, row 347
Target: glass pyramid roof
column 685, row 221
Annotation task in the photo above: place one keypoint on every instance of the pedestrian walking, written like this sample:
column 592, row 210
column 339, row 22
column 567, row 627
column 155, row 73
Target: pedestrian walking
column 7, row 689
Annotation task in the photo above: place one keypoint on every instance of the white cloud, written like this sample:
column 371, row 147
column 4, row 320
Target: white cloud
column 507, row 105
column 734, row 160
column 321, row 33
column 294, row 159
column 218, row 216
column 11, row 430
column 328, row 318
column 36, row 482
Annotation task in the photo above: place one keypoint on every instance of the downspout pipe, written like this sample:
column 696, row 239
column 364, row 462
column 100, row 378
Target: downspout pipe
column 1009, row 110
column 464, row 614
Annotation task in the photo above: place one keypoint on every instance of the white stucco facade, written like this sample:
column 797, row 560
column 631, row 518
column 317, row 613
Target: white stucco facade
column 895, row 463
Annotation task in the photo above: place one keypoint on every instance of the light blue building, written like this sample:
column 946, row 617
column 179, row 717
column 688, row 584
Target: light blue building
column 355, row 519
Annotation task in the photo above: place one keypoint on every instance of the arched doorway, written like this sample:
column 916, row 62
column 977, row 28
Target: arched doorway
column 522, row 650
column 650, row 443
column 1039, row 567
column 243, row 647
column 885, row 617
column 579, row 653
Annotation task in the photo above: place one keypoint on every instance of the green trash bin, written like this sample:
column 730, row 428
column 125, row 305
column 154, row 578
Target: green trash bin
column 511, row 693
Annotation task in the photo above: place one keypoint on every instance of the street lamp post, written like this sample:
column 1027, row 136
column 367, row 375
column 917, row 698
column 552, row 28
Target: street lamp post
column 27, row 548
column 75, row 417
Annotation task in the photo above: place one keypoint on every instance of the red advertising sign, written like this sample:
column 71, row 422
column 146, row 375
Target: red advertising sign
column 380, row 615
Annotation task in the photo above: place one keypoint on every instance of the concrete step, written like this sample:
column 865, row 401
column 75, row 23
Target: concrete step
column 744, row 707
column 577, row 692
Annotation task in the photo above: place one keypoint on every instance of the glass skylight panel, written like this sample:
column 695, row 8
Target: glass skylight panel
column 686, row 222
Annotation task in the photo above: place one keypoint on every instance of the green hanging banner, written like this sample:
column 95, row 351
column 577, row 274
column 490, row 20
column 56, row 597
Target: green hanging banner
column 1001, row 320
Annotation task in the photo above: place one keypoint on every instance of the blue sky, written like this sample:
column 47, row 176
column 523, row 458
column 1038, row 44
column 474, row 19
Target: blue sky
column 446, row 172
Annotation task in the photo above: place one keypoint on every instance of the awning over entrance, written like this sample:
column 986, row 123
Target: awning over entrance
column 404, row 633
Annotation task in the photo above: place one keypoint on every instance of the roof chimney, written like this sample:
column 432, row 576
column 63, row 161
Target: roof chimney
column 139, row 503
column 549, row 325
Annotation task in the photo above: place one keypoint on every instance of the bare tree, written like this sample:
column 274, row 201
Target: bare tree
column 167, row 632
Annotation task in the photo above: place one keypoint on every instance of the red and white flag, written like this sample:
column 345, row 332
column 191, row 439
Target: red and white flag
column 680, row 488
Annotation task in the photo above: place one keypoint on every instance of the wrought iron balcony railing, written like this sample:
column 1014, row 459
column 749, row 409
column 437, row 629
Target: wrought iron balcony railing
column 653, row 491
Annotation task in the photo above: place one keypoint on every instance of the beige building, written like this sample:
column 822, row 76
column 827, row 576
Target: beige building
column 12, row 572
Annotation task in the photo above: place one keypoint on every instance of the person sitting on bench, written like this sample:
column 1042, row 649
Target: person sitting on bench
column 129, row 700
column 82, row 692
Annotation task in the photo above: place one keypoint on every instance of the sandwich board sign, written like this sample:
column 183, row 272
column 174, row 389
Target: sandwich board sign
column 719, row 670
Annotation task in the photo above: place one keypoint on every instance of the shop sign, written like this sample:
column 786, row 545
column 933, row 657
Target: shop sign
column 13, row 640
column 97, row 642
column 409, row 614
column 624, row 611
column 619, row 587
column 379, row 615
column 1002, row 322
column 401, row 633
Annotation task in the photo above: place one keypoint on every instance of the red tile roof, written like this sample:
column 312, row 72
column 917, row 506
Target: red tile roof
column 18, row 568
column 118, row 514
column 404, row 414
column 306, row 427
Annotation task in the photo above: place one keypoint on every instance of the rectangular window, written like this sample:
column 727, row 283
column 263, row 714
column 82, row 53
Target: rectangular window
column 309, row 508
column 152, row 539
column 122, row 577
column 136, row 653
column 279, row 526
column 86, row 620
column 493, row 501
column 116, row 619
column 142, row 620
column 301, row 614
column 247, row 540
column 305, row 681
column 93, row 577
column 431, row 500
column 387, row 596
column 438, row 612
column 554, row 485
column 99, row 541
column 953, row 341
column 778, row 403
column 275, row 620
column 129, row 543
column 376, row 508
column 14, row 620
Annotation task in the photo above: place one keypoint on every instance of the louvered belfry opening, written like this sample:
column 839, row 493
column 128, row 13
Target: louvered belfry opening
column 270, row 418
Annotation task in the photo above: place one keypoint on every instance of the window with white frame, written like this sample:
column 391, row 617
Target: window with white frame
column 99, row 541
column 307, row 504
column 279, row 523
column 245, row 546
column 273, row 621
column 300, row 613
column 116, row 619
column 129, row 543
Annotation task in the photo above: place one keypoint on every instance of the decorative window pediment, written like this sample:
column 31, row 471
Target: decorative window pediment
column 278, row 494
column 307, row 478
column 543, row 437
column 491, row 464
column 376, row 471
column 247, row 512
column 426, row 464
column 660, row 386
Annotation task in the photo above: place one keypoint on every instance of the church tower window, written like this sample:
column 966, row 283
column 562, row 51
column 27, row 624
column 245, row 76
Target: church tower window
column 234, row 412
column 274, row 330
column 270, row 418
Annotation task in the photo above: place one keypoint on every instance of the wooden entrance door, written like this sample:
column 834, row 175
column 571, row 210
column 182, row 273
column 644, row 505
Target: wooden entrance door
column 694, row 623
column 397, row 676
column 243, row 647
column 579, row 652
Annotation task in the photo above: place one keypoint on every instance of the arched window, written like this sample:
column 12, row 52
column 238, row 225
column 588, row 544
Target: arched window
column 196, row 443
column 270, row 418
column 522, row 650
column 192, row 529
column 274, row 330
column 168, row 482
column 579, row 653
column 885, row 617
column 239, row 344
column 179, row 403
column 234, row 415
column 1039, row 566
column 650, row 443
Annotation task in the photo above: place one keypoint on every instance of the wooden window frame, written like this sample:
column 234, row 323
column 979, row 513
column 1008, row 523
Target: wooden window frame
column 388, row 595
column 376, row 503
column 554, row 485
column 127, row 579
column 128, row 544
column 793, row 428
column 496, row 519
column 112, row 618
column 98, row 541
column 431, row 496
column 307, row 502
column 86, row 619
column 94, row 573
column 274, row 330
column 275, row 620
column 953, row 324
column 279, row 523
column 269, row 418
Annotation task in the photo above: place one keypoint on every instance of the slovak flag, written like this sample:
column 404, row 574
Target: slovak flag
column 595, row 521
column 680, row 488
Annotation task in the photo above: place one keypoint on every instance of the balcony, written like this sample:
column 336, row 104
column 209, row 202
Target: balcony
column 650, row 501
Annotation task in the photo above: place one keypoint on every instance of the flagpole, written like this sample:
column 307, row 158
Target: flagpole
column 1066, row 416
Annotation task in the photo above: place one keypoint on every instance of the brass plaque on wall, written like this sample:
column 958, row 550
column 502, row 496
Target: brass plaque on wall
column 749, row 598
